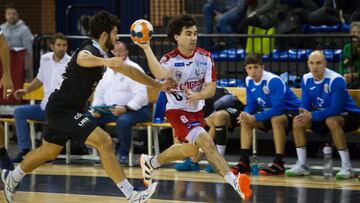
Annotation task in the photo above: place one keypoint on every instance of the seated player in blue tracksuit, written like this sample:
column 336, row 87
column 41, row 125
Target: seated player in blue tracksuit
column 326, row 106
column 270, row 104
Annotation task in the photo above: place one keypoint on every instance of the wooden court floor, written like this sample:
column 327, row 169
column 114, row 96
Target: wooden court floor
column 65, row 184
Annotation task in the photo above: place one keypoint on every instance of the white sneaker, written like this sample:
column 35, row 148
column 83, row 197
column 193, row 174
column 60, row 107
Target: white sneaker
column 148, row 172
column 344, row 173
column 298, row 170
column 10, row 185
column 143, row 195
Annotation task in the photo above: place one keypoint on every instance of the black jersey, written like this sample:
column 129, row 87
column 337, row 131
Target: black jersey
column 79, row 82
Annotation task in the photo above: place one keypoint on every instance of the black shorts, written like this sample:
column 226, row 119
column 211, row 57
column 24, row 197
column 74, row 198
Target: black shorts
column 352, row 121
column 64, row 123
column 290, row 116
column 234, row 114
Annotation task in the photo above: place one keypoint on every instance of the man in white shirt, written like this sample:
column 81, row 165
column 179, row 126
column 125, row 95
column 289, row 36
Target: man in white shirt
column 128, row 99
column 52, row 66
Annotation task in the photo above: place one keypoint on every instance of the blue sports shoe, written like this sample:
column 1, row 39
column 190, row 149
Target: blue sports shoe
column 208, row 168
column 187, row 165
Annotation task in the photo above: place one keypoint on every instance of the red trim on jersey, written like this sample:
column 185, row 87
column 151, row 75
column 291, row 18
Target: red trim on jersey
column 202, row 51
column 213, row 70
column 172, row 53
column 165, row 58
column 182, row 55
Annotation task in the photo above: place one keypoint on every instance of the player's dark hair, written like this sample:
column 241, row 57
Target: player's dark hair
column 102, row 21
column 176, row 25
column 56, row 36
column 253, row 59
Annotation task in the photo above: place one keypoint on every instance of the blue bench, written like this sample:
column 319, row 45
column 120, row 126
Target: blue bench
column 230, row 83
column 307, row 28
column 332, row 55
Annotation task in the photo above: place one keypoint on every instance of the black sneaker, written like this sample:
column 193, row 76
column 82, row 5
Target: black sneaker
column 273, row 170
column 241, row 167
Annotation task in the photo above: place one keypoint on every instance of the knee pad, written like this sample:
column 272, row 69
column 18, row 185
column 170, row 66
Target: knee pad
column 220, row 135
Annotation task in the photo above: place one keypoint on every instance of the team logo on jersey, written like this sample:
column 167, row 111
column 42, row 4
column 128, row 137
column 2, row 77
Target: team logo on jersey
column 178, row 75
column 188, row 64
column 326, row 88
column 319, row 102
column 265, row 90
column 261, row 102
column 197, row 72
column 181, row 64
column 198, row 63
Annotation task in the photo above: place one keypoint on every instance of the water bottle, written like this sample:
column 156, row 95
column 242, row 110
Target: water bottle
column 254, row 166
column 328, row 162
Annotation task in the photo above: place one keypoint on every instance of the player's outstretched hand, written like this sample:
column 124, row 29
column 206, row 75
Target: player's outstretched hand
column 168, row 84
column 114, row 62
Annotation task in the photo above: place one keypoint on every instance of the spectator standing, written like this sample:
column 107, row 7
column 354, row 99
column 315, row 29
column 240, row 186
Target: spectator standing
column 350, row 62
column 18, row 34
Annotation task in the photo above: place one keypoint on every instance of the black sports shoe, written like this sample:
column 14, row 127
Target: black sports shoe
column 241, row 167
column 273, row 170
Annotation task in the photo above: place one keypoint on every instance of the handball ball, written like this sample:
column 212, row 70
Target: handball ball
column 141, row 31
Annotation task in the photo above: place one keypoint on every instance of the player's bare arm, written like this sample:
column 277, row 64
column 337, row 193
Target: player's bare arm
column 6, row 81
column 155, row 67
column 141, row 77
column 206, row 92
column 87, row 60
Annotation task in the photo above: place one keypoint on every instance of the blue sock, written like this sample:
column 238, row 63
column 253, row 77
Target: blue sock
column 5, row 161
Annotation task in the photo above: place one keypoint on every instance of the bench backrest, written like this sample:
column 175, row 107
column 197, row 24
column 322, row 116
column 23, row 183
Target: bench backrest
column 240, row 92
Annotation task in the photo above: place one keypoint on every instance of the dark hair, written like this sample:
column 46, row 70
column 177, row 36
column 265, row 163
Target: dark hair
column 176, row 25
column 10, row 6
column 101, row 22
column 56, row 36
column 253, row 59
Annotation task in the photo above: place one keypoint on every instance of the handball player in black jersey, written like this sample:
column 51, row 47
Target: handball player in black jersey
column 64, row 109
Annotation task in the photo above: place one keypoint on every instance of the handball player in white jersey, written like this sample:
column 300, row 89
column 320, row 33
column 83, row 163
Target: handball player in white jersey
column 194, row 71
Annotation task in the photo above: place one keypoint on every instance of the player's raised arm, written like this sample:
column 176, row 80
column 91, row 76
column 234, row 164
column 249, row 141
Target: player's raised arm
column 156, row 68
column 141, row 33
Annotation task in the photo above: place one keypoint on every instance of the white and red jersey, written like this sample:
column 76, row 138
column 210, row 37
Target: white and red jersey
column 191, row 72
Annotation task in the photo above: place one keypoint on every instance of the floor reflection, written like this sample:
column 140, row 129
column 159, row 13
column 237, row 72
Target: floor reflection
column 190, row 191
